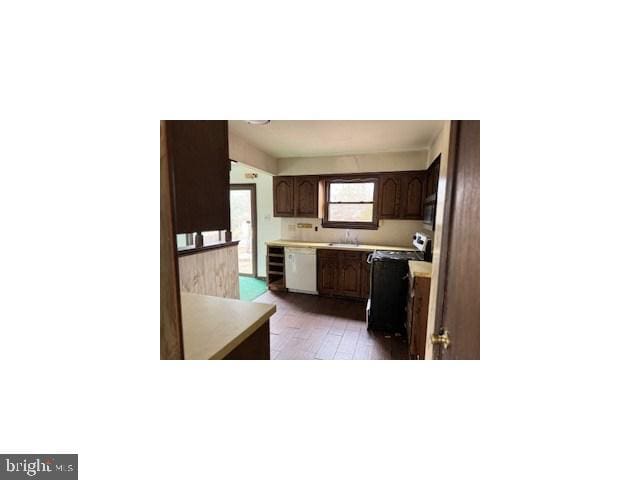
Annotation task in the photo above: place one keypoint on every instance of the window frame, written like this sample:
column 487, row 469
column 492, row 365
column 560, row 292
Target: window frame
column 326, row 223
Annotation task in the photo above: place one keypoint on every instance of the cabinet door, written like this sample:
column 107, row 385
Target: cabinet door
column 432, row 179
column 198, row 153
column 389, row 198
column 420, row 314
column 435, row 175
column 411, row 334
column 283, row 197
column 349, row 279
column 328, row 264
column 413, row 195
column 364, row 276
column 306, row 196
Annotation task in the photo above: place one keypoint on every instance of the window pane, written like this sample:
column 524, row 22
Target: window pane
column 351, row 192
column 351, row 213
column 212, row 237
column 185, row 240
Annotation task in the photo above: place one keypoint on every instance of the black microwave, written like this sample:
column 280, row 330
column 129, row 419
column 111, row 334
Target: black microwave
column 430, row 214
column 431, row 197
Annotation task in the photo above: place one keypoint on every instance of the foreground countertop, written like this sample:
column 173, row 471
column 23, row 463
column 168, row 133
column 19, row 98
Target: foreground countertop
column 213, row 326
column 341, row 246
column 420, row 269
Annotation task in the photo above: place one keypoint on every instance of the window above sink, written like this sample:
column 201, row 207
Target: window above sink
column 350, row 203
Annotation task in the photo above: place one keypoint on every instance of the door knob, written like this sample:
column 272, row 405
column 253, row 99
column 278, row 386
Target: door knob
column 441, row 339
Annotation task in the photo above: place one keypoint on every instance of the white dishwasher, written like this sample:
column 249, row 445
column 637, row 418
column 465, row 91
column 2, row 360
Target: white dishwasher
column 300, row 269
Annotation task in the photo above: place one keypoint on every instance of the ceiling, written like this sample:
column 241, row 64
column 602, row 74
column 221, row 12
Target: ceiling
column 317, row 138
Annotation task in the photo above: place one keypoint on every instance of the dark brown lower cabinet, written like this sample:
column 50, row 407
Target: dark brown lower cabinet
column 365, row 270
column 255, row 347
column 343, row 273
column 349, row 282
column 417, row 315
column 328, row 266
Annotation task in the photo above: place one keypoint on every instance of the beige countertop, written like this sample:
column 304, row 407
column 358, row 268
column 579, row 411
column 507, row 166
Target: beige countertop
column 339, row 246
column 213, row 326
column 420, row 269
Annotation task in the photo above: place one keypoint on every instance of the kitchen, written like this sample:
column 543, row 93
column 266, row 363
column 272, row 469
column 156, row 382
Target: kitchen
column 346, row 236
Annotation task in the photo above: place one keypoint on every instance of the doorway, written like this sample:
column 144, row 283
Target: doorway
column 244, row 226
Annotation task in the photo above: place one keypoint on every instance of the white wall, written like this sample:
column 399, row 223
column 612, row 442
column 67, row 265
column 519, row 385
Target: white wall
column 390, row 232
column 439, row 146
column 269, row 228
column 242, row 151
column 373, row 162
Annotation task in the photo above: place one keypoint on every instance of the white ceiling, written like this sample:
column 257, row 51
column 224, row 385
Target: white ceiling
column 317, row 138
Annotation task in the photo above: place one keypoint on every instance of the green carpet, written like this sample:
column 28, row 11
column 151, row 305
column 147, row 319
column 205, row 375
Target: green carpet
column 251, row 288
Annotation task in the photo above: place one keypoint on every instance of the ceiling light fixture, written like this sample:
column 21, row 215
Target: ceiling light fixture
column 258, row 122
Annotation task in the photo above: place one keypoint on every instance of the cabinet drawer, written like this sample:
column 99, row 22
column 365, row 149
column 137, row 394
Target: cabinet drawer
column 327, row 253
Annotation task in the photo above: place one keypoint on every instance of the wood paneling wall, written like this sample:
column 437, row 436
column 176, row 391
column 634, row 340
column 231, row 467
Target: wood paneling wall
column 212, row 272
column 170, row 322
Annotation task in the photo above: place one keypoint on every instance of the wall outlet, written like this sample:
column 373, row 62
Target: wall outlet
column 304, row 225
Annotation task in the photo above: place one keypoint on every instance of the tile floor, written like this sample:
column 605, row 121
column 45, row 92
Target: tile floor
column 308, row 327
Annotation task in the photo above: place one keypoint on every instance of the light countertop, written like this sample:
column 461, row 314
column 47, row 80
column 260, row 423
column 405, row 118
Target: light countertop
column 420, row 269
column 214, row 326
column 339, row 246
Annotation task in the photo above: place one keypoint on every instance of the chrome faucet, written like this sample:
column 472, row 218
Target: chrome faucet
column 349, row 240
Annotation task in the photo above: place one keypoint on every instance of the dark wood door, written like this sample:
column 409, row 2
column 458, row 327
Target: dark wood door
column 199, row 156
column 413, row 195
column 458, row 308
column 306, row 196
column 349, row 279
column 283, row 188
column 328, row 271
column 389, row 197
column 364, row 276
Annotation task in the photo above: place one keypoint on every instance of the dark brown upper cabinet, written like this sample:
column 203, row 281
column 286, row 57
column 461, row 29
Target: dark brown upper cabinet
column 389, row 196
column 198, row 154
column 413, row 194
column 431, row 193
column 305, row 196
column 295, row 196
column 283, row 195
column 433, row 172
column 402, row 195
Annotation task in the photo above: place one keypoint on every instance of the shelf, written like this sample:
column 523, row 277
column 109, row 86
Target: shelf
column 277, row 284
column 275, row 268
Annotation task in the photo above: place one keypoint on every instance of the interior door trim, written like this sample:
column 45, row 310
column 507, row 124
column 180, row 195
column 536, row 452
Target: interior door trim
column 254, row 224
